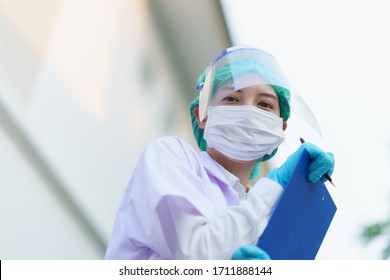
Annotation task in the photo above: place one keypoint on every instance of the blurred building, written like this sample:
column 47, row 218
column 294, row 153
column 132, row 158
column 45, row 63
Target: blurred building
column 84, row 85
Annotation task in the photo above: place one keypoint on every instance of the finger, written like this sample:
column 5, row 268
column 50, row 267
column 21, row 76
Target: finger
column 317, row 174
column 319, row 160
column 320, row 168
column 322, row 161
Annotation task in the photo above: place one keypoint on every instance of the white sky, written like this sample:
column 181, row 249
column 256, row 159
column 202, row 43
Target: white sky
column 337, row 54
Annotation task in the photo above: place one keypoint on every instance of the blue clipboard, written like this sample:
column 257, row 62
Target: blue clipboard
column 300, row 219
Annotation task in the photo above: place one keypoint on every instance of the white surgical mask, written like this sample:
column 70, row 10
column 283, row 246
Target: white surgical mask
column 243, row 132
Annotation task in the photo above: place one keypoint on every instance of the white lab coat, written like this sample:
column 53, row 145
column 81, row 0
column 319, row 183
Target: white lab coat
column 181, row 204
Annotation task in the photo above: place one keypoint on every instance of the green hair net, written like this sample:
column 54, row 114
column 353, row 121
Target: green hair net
column 224, row 74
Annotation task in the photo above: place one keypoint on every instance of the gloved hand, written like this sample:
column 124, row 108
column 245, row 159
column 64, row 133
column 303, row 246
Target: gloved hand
column 320, row 164
column 250, row 252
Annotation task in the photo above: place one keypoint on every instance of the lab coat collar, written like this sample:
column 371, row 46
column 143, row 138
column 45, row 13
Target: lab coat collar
column 218, row 170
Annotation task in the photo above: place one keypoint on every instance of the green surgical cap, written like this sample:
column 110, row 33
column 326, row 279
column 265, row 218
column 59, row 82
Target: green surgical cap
column 223, row 75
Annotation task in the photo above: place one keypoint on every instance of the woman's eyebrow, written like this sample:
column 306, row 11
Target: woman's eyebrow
column 270, row 95
column 264, row 94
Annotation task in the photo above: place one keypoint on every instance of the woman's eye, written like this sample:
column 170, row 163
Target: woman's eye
column 230, row 99
column 266, row 105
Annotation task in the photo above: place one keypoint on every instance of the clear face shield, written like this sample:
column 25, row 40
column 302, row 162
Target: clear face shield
column 241, row 67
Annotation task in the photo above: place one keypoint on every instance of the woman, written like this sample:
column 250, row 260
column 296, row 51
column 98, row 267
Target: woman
column 184, row 204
